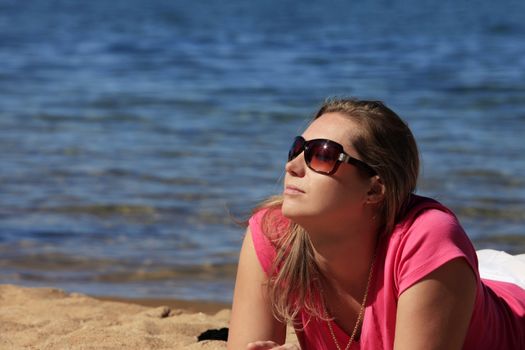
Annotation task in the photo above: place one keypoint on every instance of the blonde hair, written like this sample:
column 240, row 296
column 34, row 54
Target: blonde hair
column 383, row 141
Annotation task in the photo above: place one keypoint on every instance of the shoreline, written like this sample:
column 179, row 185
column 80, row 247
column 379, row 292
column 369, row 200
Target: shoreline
column 188, row 306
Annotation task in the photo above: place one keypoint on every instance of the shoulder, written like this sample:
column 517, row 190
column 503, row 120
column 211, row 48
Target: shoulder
column 426, row 215
column 268, row 222
column 428, row 237
column 429, row 223
column 436, row 220
column 267, row 226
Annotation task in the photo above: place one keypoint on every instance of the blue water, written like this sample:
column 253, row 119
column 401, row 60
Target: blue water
column 133, row 133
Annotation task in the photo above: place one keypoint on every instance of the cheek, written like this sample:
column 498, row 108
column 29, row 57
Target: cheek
column 343, row 196
column 334, row 196
column 320, row 199
column 337, row 199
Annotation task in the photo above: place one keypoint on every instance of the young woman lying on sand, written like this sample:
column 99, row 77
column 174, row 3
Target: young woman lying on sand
column 355, row 260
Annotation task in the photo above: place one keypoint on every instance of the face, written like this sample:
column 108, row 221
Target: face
column 309, row 195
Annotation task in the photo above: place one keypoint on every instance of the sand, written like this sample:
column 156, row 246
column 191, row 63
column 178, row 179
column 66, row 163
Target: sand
column 47, row 318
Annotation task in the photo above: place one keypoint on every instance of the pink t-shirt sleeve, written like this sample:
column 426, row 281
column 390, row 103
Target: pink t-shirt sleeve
column 434, row 238
column 263, row 247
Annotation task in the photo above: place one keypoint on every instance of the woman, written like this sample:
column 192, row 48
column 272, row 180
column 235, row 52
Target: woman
column 354, row 260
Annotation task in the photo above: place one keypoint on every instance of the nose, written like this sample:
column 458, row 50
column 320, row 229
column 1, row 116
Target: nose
column 296, row 167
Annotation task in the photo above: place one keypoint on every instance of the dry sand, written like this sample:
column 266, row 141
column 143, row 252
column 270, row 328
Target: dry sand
column 42, row 318
column 46, row 318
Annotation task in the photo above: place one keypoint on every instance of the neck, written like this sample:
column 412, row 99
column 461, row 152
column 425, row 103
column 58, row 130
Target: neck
column 344, row 254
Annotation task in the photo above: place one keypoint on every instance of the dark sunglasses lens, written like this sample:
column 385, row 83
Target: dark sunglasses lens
column 296, row 149
column 322, row 157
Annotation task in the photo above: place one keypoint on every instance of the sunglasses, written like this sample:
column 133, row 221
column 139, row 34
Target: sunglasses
column 324, row 156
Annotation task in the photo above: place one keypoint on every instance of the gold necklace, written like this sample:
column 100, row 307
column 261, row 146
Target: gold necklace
column 361, row 310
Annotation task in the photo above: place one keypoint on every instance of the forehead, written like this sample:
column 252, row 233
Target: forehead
column 333, row 126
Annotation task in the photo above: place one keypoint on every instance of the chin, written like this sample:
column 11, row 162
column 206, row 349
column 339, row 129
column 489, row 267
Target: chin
column 289, row 211
column 295, row 212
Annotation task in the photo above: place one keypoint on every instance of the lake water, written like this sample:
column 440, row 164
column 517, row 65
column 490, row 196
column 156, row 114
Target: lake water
column 131, row 132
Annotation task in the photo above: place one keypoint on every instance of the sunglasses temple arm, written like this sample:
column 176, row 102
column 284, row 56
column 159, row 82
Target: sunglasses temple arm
column 359, row 163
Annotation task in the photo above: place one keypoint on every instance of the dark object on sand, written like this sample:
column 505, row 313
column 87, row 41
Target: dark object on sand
column 214, row 334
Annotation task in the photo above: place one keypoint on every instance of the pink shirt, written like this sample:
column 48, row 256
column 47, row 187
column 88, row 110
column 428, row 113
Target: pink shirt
column 428, row 237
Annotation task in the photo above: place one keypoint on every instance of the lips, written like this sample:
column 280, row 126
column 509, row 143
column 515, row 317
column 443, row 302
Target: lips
column 292, row 190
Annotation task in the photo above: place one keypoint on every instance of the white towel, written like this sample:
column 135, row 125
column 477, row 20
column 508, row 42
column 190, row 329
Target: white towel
column 501, row 266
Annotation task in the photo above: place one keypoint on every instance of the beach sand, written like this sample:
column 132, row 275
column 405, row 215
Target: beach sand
column 47, row 318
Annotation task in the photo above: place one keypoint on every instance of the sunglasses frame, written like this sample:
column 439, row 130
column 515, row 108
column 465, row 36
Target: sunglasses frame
column 342, row 158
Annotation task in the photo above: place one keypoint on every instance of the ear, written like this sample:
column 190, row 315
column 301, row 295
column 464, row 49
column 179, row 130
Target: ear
column 376, row 192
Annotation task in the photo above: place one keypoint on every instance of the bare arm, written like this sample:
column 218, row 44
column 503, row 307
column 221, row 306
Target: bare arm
column 251, row 318
column 435, row 313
